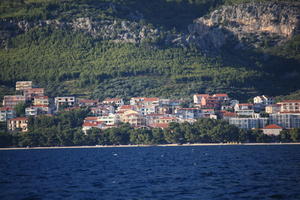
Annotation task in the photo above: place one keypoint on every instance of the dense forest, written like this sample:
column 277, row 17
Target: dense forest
column 71, row 62
column 65, row 130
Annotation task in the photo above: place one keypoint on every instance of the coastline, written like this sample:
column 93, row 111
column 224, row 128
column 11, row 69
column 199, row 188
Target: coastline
column 159, row 145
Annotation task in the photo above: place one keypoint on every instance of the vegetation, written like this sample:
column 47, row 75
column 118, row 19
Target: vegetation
column 68, row 62
column 65, row 130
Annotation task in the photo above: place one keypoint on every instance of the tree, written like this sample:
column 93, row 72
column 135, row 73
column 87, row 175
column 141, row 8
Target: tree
column 20, row 109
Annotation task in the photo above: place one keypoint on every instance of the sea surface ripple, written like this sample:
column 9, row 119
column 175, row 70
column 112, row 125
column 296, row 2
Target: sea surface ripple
column 198, row 172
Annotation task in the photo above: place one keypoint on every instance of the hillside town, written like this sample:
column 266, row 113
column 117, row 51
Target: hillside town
column 152, row 112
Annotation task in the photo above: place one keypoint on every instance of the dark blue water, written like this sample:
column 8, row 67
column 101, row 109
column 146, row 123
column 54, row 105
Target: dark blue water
column 204, row 172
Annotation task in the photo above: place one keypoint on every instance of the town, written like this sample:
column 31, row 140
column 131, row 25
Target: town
column 152, row 112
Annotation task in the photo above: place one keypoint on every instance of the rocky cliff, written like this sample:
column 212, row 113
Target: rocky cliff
column 251, row 24
column 117, row 31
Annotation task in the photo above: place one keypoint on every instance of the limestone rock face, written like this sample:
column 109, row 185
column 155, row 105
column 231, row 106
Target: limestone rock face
column 250, row 24
column 117, row 31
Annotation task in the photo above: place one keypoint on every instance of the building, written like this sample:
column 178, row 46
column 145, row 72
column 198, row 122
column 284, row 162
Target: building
column 188, row 113
column 109, row 120
column 264, row 100
column 6, row 113
column 244, row 109
column 214, row 101
column 37, row 110
column 19, row 123
column 198, row 97
column 33, row 92
column 286, row 120
column 290, row 106
column 102, row 110
column 166, row 120
column 144, row 101
column 22, row 85
column 272, row 129
column 132, row 117
column 113, row 101
column 249, row 123
column 64, row 101
column 41, row 101
column 31, row 111
column 13, row 100
column 87, row 102
column 145, row 110
column 89, row 125
column 272, row 109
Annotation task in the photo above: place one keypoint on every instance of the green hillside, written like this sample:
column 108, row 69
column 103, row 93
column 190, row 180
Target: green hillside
column 71, row 62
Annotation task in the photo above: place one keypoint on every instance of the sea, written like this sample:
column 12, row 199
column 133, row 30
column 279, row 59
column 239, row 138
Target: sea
column 181, row 172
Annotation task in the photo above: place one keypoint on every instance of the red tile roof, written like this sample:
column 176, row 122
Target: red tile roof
column 41, row 97
column 151, row 99
column 91, row 124
column 126, row 107
column 289, row 101
column 19, row 119
column 159, row 125
column 91, row 118
column 272, row 126
column 220, row 95
column 112, row 99
column 229, row 114
column 6, row 108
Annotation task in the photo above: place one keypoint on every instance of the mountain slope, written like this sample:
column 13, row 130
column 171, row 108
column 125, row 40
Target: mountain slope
column 130, row 48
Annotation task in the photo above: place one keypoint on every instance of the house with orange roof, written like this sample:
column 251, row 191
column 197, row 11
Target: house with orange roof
column 134, row 118
column 22, row 85
column 30, row 93
column 91, row 124
column 290, row 106
column 272, row 129
column 41, row 101
column 18, row 123
column 13, row 100
column 113, row 101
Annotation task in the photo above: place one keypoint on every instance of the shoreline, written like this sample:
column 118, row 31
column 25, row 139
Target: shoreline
column 159, row 145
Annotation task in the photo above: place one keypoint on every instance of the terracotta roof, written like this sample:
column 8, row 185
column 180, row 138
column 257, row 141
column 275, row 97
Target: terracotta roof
column 151, row 99
column 91, row 124
column 188, row 108
column 5, row 108
column 229, row 114
column 167, row 118
column 289, row 101
column 126, row 107
column 19, row 119
column 40, row 106
column 220, row 95
column 41, row 97
column 112, row 99
column 91, row 118
column 159, row 125
column 272, row 126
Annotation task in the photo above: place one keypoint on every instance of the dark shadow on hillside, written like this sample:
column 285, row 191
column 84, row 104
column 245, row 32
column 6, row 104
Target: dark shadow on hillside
column 167, row 14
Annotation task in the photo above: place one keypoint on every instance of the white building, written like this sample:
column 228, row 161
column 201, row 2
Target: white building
column 6, row 113
column 249, row 123
column 109, row 120
column 272, row 129
column 286, row 120
column 290, row 106
column 265, row 100
column 67, row 101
